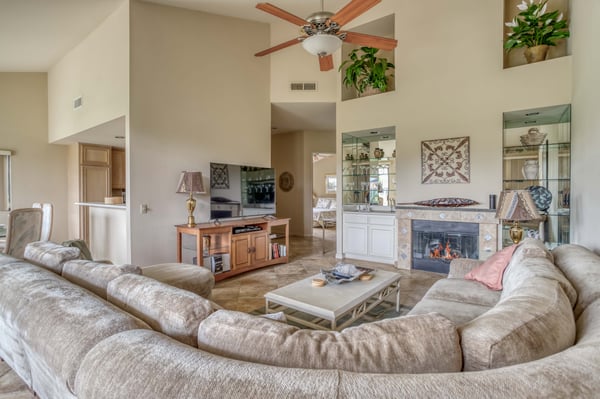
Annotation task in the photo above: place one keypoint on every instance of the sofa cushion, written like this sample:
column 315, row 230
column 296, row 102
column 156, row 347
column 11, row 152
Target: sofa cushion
column 459, row 267
column 458, row 313
column 194, row 278
column 50, row 255
column 463, row 291
column 59, row 323
column 323, row 203
column 490, row 272
column 532, row 259
column 410, row 344
column 170, row 310
column 534, row 322
column 582, row 268
column 95, row 276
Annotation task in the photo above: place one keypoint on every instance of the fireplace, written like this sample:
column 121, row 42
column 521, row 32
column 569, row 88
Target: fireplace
column 436, row 243
column 486, row 239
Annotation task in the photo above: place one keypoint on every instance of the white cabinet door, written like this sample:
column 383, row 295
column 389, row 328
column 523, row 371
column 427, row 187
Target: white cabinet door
column 381, row 241
column 355, row 238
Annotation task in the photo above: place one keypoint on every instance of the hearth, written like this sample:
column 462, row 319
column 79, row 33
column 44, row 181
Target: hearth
column 436, row 243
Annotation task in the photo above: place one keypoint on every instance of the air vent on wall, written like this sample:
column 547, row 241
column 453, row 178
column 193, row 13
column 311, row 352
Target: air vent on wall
column 303, row 86
column 77, row 103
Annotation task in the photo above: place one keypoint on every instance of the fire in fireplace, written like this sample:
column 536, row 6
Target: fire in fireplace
column 436, row 243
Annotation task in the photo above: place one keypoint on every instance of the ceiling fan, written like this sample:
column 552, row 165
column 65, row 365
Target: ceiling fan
column 321, row 33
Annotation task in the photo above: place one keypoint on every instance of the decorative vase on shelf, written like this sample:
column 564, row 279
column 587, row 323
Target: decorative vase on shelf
column 536, row 53
column 378, row 153
column 530, row 169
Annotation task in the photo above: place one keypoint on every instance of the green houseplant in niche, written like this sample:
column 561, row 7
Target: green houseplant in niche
column 364, row 70
column 535, row 29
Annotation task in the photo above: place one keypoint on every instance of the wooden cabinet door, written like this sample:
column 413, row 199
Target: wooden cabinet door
column 96, row 155
column 241, row 251
column 118, row 169
column 260, row 247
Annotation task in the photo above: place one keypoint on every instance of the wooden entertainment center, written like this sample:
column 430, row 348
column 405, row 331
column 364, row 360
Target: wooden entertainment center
column 248, row 244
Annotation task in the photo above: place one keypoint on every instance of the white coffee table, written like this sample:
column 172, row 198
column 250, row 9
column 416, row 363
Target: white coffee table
column 350, row 300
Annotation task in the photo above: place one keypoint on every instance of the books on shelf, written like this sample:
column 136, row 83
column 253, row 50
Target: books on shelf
column 278, row 250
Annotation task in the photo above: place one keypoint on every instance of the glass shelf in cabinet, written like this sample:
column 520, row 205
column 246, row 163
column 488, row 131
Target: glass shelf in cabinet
column 524, row 148
column 536, row 180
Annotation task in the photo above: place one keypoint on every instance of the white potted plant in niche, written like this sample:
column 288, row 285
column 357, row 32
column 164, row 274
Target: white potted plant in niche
column 536, row 29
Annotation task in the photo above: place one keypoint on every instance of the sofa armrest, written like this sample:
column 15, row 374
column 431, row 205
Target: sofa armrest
column 460, row 267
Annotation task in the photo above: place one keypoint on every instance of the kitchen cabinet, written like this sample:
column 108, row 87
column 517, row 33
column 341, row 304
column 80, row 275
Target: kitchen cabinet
column 118, row 169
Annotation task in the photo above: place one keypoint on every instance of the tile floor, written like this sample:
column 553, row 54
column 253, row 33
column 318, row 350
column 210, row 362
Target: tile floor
column 246, row 292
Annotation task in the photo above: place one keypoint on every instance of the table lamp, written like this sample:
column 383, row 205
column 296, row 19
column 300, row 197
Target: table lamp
column 516, row 206
column 190, row 182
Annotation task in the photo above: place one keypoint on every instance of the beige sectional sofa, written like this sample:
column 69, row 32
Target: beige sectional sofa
column 538, row 337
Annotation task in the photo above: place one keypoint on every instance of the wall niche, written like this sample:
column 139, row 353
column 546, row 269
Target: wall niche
column 516, row 56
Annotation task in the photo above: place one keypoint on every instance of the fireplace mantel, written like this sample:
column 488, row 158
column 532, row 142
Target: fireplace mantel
column 486, row 218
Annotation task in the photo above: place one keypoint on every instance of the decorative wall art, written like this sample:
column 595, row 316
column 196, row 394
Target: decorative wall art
column 445, row 161
column 219, row 175
column 286, row 181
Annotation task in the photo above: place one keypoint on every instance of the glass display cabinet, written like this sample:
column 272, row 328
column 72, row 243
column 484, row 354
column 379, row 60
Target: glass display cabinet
column 537, row 157
column 369, row 168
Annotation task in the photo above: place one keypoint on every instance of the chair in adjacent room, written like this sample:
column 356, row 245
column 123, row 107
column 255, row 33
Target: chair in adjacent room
column 48, row 214
column 24, row 226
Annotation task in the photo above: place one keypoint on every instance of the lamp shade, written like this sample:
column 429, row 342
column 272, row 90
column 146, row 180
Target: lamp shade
column 517, row 205
column 190, row 182
column 322, row 44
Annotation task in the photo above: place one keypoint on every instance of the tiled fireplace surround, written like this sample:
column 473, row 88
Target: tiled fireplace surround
column 488, row 228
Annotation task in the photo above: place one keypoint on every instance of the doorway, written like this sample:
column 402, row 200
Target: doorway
column 324, row 186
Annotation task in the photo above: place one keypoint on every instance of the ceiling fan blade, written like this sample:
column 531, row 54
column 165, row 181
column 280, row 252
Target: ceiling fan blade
column 362, row 39
column 326, row 63
column 353, row 10
column 279, row 46
column 278, row 12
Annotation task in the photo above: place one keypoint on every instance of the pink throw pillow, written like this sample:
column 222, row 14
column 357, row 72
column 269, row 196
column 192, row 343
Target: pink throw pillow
column 490, row 272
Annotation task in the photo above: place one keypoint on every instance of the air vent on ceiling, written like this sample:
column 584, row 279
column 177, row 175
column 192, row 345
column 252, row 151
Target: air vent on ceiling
column 77, row 103
column 303, row 86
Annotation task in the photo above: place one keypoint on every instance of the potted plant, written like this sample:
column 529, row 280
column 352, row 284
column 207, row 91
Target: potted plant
column 365, row 70
column 535, row 29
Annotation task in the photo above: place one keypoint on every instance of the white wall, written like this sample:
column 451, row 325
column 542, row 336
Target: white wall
column 39, row 169
column 450, row 83
column 585, row 124
column 96, row 69
column 198, row 95
column 322, row 168
column 294, row 64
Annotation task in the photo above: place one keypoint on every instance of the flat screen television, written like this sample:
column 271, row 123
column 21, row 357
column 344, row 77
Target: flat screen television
column 241, row 191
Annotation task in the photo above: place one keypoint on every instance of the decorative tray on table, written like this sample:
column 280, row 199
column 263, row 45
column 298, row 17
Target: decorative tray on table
column 343, row 272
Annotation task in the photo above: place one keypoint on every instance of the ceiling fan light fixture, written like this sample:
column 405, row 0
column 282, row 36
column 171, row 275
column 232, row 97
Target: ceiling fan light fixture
column 322, row 44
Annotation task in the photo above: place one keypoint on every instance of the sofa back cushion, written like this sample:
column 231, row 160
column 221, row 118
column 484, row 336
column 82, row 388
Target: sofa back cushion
column 535, row 321
column 49, row 255
column 582, row 268
column 59, row 323
column 170, row 310
column 95, row 276
column 412, row 344
column 532, row 259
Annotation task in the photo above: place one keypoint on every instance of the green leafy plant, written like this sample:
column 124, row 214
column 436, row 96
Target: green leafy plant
column 364, row 69
column 533, row 26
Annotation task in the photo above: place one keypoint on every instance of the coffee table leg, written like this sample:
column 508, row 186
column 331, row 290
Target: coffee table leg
column 398, row 296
